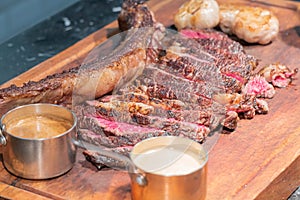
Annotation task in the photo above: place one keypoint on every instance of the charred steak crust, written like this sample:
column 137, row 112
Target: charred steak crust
column 135, row 14
column 62, row 87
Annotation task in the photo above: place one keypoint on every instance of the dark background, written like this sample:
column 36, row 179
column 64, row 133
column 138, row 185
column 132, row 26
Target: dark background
column 45, row 35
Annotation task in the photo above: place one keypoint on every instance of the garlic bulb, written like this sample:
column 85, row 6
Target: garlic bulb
column 252, row 24
column 197, row 14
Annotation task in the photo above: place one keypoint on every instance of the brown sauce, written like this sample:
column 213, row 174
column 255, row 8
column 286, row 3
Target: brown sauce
column 36, row 127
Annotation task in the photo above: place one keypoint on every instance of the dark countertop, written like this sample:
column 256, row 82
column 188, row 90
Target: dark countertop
column 55, row 34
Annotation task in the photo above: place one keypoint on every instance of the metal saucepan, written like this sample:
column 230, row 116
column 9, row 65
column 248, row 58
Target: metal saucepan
column 165, row 167
column 38, row 154
column 171, row 167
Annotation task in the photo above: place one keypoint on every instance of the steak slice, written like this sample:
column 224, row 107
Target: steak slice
column 101, row 161
column 123, row 134
column 214, row 41
column 124, row 111
column 235, row 65
column 98, row 159
column 159, row 84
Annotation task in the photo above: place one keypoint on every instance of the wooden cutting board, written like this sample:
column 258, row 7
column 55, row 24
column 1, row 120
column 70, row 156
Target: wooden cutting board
column 260, row 160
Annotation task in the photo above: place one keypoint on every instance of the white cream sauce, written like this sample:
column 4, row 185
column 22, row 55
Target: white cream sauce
column 169, row 161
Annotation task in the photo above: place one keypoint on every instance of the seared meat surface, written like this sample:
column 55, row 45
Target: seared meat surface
column 135, row 14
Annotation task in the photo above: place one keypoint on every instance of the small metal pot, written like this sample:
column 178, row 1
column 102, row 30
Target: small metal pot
column 148, row 184
column 151, row 178
column 41, row 158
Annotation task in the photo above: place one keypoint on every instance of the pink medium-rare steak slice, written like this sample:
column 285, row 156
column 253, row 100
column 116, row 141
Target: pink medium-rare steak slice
column 145, row 128
column 123, row 134
column 228, row 56
column 101, row 114
column 128, row 112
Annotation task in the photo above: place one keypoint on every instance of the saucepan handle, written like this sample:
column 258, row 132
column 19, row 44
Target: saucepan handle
column 2, row 138
column 126, row 163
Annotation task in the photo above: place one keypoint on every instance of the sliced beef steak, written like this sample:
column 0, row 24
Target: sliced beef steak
column 190, row 87
column 235, row 65
column 123, row 134
column 155, row 83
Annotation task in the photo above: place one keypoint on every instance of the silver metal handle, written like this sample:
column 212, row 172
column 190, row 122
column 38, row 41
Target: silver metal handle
column 127, row 163
column 139, row 178
column 135, row 175
column 2, row 138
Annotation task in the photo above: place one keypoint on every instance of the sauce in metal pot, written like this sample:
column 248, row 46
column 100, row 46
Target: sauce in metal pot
column 36, row 127
column 169, row 161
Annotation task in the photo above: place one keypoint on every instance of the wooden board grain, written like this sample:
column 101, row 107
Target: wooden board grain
column 260, row 160
column 11, row 192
